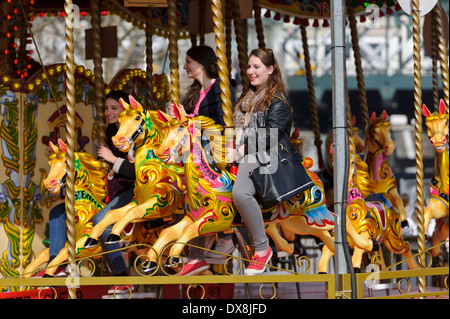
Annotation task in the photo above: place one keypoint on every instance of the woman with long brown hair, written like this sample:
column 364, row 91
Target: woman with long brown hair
column 262, row 115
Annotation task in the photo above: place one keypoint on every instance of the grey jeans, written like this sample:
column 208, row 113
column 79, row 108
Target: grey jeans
column 244, row 198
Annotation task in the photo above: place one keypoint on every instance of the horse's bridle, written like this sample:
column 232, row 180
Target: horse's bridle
column 139, row 130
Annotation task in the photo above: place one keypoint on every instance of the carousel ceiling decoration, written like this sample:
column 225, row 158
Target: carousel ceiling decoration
column 302, row 10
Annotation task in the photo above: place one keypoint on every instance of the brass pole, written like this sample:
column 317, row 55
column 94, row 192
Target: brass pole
column 98, row 71
column 173, row 52
column 241, row 44
column 258, row 24
column 228, row 31
column 222, row 62
column 418, row 139
column 70, row 180
column 443, row 58
column 435, row 57
column 359, row 69
column 149, row 102
column 312, row 95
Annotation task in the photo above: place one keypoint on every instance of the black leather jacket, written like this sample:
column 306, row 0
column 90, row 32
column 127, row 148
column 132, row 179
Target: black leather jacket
column 279, row 116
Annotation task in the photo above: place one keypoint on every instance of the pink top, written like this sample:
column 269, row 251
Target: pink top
column 200, row 99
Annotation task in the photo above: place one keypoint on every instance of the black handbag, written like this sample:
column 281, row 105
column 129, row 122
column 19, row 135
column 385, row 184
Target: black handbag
column 286, row 181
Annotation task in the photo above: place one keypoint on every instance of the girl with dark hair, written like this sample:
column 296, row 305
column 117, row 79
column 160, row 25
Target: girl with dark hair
column 203, row 96
column 120, row 184
column 120, row 192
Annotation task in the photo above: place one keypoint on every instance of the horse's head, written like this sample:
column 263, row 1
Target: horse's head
column 378, row 134
column 199, row 137
column 57, row 161
column 437, row 126
column 175, row 135
column 134, row 121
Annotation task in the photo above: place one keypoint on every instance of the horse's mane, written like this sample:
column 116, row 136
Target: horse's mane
column 216, row 139
column 361, row 179
column 97, row 170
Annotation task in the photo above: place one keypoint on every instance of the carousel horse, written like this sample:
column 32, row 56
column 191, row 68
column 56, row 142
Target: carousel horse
column 209, row 206
column 90, row 194
column 437, row 129
column 372, row 216
column 159, row 188
column 326, row 173
column 378, row 146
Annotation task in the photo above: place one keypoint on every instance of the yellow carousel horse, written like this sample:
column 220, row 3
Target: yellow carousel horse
column 209, row 206
column 437, row 129
column 378, row 146
column 90, row 195
column 373, row 217
column 159, row 188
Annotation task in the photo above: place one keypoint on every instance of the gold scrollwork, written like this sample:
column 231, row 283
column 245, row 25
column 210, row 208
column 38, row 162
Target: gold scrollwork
column 376, row 259
column 225, row 264
column 90, row 265
column 189, row 288
column 129, row 291
column 273, row 288
column 408, row 286
column 144, row 264
column 172, row 264
column 301, row 261
column 42, row 288
column 423, row 254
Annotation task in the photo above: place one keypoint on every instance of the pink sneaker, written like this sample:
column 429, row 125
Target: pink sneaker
column 259, row 264
column 191, row 269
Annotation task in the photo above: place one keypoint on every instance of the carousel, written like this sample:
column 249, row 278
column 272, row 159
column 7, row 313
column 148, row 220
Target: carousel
column 53, row 123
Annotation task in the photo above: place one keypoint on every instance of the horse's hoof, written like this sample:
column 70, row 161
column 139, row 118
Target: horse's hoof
column 172, row 265
column 150, row 268
column 90, row 242
column 404, row 224
column 112, row 239
column 47, row 276
column 376, row 246
column 298, row 249
column 356, row 270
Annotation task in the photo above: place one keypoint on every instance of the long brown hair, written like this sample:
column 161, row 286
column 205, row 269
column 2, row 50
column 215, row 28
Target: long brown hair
column 206, row 56
column 274, row 82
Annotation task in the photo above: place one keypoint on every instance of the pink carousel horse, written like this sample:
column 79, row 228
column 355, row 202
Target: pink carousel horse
column 372, row 216
column 437, row 129
column 209, row 206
